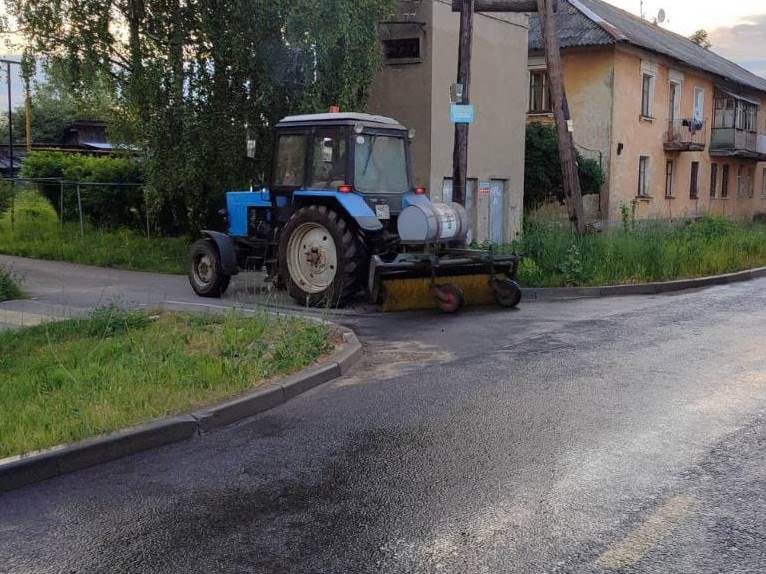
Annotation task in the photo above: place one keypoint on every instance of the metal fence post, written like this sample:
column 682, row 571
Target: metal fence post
column 79, row 207
column 146, row 208
column 13, row 202
column 61, row 202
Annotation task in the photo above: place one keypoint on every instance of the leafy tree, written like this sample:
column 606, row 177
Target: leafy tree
column 190, row 76
column 701, row 38
column 543, row 179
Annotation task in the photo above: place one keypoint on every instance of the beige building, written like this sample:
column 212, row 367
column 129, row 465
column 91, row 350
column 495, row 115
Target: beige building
column 420, row 46
column 678, row 129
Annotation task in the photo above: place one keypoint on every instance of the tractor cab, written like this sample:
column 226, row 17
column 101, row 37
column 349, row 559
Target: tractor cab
column 337, row 155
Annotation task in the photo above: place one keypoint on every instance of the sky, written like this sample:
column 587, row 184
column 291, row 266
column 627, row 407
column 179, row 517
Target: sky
column 737, row 27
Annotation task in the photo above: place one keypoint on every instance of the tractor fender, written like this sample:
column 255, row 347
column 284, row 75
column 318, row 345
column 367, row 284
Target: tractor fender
column 352, row 204
column 226, row 250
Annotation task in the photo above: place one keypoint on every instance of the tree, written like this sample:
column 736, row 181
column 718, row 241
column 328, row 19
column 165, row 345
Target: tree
column 190, row 76
column 542, row 179
column 702, row 38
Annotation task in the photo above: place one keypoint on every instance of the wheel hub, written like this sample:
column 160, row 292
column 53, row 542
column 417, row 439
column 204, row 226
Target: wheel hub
column 312, row 257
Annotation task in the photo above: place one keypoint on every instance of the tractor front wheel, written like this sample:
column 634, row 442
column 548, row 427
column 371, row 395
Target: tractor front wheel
column 319, row 257
column 205, row 272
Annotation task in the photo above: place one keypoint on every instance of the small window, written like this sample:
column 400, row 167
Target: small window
column 402, row 50
column 725, row 181
column 328, row 169
column 713, row 179
column 539, row 92
column 669, row 179
column 647, row 95
column 694, row 189
column 643, row 176
column 291, row 160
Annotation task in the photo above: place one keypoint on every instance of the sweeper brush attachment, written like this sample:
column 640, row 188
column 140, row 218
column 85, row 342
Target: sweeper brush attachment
column 448, row 282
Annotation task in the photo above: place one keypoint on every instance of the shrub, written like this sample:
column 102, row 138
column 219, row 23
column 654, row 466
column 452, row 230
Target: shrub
column 105, row 206
column 8, row 287
column 543, row 180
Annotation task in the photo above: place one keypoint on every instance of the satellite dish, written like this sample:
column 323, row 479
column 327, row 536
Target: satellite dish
column 661, row 16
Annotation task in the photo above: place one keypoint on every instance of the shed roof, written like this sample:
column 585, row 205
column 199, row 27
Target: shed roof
column 584, row 23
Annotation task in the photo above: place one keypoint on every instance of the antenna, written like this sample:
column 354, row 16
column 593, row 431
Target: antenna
column 642, row 9
column 661, row 16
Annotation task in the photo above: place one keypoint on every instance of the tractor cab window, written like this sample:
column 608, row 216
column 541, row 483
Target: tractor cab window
column 380, row 164
column 291, row 160
column 328, row 169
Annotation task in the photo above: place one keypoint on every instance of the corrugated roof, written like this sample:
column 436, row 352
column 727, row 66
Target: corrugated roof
column 594, row 22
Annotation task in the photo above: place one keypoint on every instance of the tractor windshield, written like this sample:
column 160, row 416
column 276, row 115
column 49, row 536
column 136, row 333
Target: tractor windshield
column 380, row 164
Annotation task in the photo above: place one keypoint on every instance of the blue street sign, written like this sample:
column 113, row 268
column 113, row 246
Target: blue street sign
column 462, row 114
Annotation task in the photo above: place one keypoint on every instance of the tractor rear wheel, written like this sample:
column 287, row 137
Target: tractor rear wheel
column 205, row 271
column 320, row 257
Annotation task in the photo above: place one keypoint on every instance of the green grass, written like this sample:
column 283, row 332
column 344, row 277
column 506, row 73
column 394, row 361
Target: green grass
column 555, row 257
column 8, row 287
column 62, row 382
column 34, row 231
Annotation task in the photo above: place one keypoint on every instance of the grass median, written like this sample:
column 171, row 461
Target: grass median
column 62, row 382
column 33, row 230
column 639, row 253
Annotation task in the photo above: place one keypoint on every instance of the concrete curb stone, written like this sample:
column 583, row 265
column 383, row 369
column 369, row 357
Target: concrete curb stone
column 564, row 293
column 24, row 470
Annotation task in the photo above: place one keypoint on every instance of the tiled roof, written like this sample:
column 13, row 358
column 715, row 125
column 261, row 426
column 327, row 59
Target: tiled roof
column 582, row 23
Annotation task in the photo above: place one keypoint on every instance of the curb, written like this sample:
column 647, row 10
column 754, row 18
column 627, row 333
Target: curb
column 24, row 470
column 563, row 293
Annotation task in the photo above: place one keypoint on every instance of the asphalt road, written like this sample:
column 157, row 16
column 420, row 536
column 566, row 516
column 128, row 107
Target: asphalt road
column 613, row 435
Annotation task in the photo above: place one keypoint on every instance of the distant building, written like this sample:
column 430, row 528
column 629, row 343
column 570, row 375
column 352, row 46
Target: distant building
column 420, row 47
column 679, row 129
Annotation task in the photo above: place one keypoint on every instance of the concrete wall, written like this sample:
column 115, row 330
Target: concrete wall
column 418, row 96
column 404, row 92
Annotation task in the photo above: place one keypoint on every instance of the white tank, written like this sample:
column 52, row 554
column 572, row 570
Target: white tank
column 433, row 223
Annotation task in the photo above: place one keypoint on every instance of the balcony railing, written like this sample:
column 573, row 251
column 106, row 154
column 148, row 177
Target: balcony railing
column 734, row 142
column 686, row 135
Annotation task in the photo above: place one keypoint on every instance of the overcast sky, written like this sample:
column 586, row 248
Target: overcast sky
column 737, row 27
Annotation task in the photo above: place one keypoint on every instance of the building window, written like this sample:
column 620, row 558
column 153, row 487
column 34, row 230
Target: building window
column 725, row 181
column 694, row 189
column 539, row 92
column 699, row 104
column 643, row 176
column 669, row 179
column 647, row 95
column 713, row 179
column 751, row 182
column 402, row 50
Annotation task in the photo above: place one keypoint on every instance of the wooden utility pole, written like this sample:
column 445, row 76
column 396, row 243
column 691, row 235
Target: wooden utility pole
column 567, row 154
column 460, row 153
column 569, row 169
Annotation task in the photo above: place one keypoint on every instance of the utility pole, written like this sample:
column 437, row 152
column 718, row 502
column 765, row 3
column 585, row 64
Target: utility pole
column 460, row 153
column 569, row 169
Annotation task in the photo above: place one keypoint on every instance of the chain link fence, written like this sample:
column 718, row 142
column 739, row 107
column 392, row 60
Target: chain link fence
column 86, row 206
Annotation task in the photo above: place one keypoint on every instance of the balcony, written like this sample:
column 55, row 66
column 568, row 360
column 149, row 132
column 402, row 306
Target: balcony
column 738, row 143
column 685, row 135
column 736, row 124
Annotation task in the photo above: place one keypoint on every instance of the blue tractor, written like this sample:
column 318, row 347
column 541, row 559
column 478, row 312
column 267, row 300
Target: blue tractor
column 340, row 216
